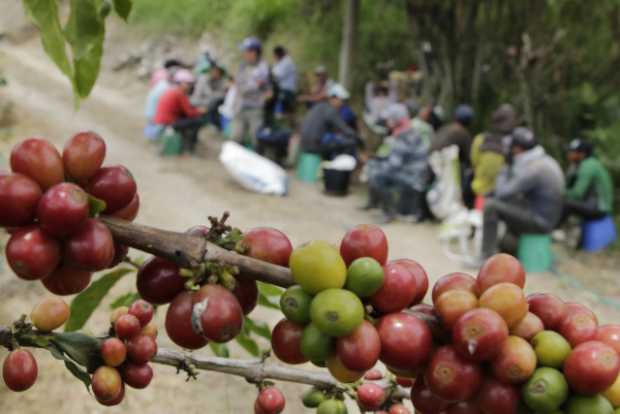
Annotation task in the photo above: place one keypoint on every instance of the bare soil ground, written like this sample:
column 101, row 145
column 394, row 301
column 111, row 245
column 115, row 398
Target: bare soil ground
column 176, row 194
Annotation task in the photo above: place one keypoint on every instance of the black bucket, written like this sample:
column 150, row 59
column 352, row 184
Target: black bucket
column 336, row 181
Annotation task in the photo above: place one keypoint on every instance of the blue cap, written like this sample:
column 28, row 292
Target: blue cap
column 250, row 43
column 464, row 113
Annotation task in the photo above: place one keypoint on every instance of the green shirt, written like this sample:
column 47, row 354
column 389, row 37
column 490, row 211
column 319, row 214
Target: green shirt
column 593, row 180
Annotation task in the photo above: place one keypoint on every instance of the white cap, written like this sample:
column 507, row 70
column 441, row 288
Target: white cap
column 338, row 91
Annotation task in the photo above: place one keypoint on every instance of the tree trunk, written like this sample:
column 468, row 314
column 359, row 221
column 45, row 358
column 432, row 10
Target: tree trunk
column 349, row 36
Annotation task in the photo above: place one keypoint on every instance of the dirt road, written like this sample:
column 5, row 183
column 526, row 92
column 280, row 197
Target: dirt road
column 176, row 194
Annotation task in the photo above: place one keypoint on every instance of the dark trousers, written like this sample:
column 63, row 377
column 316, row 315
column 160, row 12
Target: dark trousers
column 587, row 210
column 518, row 218
column 188, row 128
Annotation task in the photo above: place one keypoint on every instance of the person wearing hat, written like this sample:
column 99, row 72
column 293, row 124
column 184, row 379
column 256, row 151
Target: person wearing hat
column 320, row 89
column 528, row 195
column 210, row 91
column 284, row 73
column 323, row 130
column 590, row 193
column 398, row 181
column 175, row 109
column 253, row 88
column 487, row 151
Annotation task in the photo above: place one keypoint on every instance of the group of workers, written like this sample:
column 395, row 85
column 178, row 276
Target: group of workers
column 504, row 171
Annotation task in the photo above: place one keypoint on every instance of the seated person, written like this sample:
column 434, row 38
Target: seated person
column 402, row 172
column 590, row 193
column 210, row 92
column 528, row 193
column 324, row 132
column 320, row 89
column 174, row 109
column 487, row 151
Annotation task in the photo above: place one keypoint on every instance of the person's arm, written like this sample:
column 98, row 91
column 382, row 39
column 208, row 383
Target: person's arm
column 510, row 184
column 333, row 117
column 188, row 109
column 585, row 176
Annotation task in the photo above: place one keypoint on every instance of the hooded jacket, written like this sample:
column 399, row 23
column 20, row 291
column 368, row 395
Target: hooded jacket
column 535, row 179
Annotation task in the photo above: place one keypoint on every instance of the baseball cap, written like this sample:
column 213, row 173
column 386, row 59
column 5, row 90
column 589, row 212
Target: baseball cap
column 250, row 43
column 338, row 91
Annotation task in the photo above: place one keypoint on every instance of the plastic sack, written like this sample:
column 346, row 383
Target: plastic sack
column 252, row 171
column 444, row 198
column 342, row 162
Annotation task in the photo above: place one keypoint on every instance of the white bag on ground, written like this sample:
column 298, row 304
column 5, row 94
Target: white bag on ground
column 252, row 171
column 343, row 162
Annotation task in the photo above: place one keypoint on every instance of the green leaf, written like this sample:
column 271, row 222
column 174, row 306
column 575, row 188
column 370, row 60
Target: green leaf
column 79, row 373
column 81, row 348
column 125, row 300
column 260, row 328
column 219, row 350
column 248, row 344
column 45, row 16
column 84, row 304
column 267, row 302
column 269, row 290
column 95, row 206
column 123, row 8
column 85, row 32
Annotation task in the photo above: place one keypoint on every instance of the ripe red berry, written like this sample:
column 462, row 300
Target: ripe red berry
column 142, row 310
column 91, row 247
column 270, row 401
column 127, row 326
column 62, row 209
column 141, row 349
column 67, row 281
column 38, row 159
column 19, row 370
column 19, row 197
column 114, row 185
column 106, row 384
column 137, row 375
column 32, row 254
column 159, row 281
column 83, row 155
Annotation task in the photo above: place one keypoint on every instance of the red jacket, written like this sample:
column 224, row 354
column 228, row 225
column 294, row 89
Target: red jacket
column 173, row 105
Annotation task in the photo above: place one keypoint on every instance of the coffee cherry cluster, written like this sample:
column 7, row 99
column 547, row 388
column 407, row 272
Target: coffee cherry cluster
column 19, row 370
column 215, row 312
column 326, row 313
column 45, row 203
column 126, row 354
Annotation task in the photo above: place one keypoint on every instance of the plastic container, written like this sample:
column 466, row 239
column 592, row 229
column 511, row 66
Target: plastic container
column 336, row 182
column 598, row 234
column 535, row 252
column 308, row 167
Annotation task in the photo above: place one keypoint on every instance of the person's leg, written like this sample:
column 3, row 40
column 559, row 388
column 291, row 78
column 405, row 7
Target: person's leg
column 584, row 209
column 238, row 127
column 255, row 121
column 386, row 188
column 188, row 128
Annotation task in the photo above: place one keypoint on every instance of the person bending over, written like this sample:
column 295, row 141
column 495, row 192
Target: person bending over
column 324, row 132
column 175, row 109
column 528, row 193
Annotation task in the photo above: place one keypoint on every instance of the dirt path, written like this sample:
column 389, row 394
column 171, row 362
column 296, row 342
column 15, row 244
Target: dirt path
column 178, row 193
